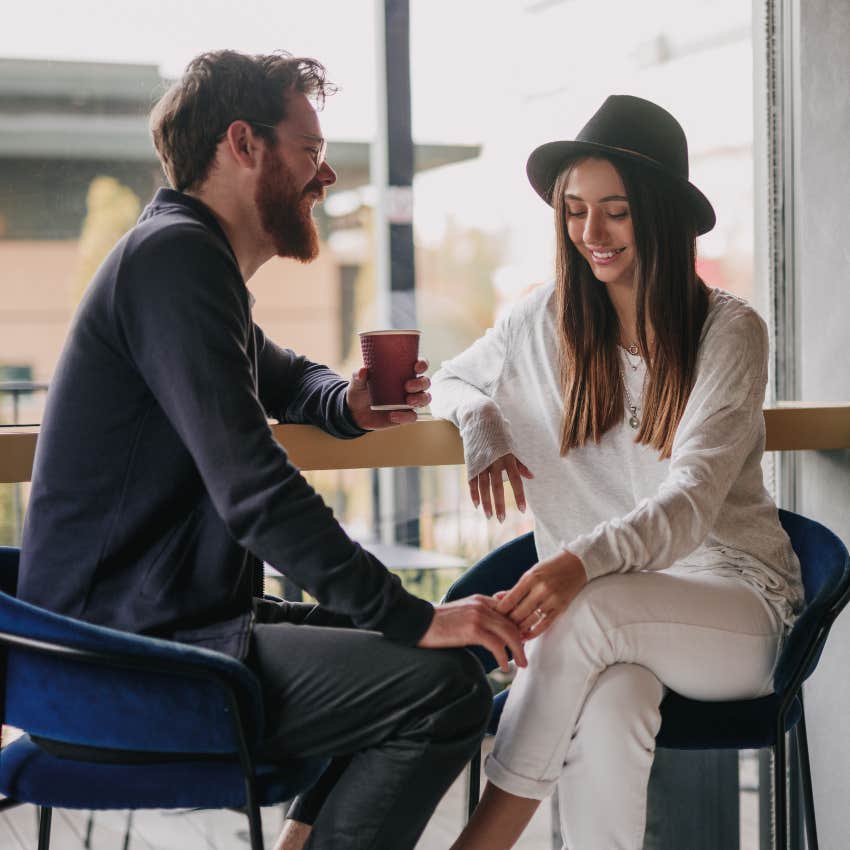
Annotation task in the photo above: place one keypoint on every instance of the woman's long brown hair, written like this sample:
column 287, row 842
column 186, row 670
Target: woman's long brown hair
column 672, row 301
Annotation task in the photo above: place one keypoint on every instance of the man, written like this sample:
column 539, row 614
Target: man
column 158, row 487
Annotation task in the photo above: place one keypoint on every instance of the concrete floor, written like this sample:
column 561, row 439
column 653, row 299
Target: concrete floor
column 224, row 830
column 218, row 830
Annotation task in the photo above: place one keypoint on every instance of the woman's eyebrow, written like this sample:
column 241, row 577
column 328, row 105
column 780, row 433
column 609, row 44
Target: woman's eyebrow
column 601, row 200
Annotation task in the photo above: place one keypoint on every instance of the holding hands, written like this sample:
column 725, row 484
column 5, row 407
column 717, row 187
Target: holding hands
column 543, row 592
column 548, row 588
column 475, row 621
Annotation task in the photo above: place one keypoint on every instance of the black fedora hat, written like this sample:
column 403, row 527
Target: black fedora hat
column 630, row 128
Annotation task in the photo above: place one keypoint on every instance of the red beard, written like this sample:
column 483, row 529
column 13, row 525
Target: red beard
column 286, row 212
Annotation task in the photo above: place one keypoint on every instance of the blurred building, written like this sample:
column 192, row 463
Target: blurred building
column 63, row 125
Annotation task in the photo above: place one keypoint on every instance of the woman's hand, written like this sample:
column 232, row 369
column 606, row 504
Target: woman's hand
column 359, row 402
column 543, row 592
column 490, row 480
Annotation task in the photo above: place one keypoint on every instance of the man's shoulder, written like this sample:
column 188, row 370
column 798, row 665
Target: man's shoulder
column 172, row 248
column 174, row 231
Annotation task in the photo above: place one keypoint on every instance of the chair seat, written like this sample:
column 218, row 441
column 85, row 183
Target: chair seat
column 741, row 724
column 690, row 725
column 31, row 775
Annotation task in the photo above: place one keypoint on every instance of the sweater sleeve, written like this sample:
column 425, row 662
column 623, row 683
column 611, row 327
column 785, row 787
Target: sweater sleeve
column 295, row 390
column 463, row 392
column 182, row 313
column 722, row 425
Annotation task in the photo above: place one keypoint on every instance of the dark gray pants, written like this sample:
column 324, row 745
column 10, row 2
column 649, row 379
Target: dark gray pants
column 400, row 723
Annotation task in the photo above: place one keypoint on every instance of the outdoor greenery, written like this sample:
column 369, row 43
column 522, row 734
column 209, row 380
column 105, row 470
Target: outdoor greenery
column 111, row 210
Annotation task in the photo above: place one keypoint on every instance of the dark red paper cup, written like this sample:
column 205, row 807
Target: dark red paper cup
column 390, row 357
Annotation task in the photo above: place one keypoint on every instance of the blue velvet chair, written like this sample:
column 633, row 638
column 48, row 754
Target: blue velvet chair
column 745, row 724
column 119, row 721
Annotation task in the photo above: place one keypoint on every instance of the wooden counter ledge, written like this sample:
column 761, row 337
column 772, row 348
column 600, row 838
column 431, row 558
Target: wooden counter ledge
column 433, row 442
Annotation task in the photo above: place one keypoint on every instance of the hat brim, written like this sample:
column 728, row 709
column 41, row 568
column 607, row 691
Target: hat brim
column 547, row 162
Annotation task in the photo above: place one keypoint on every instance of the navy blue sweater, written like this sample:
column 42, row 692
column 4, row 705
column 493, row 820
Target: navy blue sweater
column 157, row 482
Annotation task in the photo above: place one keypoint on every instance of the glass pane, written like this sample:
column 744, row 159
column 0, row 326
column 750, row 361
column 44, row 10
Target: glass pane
column 490, row 81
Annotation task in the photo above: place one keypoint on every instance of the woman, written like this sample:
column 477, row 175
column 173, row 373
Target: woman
column 625, row 400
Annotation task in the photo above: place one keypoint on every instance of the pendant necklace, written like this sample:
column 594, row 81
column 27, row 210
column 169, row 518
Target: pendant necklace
column 634, row 351
column 634, row 420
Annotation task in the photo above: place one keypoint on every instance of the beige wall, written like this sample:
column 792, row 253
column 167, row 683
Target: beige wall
column 297, row 305
column 36, row 303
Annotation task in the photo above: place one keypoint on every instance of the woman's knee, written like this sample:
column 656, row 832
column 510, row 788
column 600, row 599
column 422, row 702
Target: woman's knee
column 600, row 606
column 623, row 707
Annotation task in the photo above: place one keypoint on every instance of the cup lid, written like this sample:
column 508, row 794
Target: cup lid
column 389, row 332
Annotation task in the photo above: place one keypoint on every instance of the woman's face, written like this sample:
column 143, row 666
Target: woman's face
column 599, row 222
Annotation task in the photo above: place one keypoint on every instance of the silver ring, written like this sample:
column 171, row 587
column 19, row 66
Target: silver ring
column 541, row 616
column 539, row 613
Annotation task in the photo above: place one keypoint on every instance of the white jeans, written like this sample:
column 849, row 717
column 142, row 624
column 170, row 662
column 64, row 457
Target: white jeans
column 585, row 712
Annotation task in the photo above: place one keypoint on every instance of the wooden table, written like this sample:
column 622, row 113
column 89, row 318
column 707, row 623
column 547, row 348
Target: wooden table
column 432, row 442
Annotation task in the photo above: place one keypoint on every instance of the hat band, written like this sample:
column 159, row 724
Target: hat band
column 650, row 159
column 637, row 153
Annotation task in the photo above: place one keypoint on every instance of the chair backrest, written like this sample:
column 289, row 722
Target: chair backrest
column 9, row 557
column 127, row 707
column 825, row 569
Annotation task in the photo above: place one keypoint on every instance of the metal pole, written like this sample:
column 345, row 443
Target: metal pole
column 392, row 176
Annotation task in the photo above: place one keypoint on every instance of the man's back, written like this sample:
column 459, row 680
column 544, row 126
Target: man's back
column 119, row 514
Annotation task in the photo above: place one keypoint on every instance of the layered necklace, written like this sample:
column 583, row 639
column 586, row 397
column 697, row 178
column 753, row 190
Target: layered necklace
column 634, row 351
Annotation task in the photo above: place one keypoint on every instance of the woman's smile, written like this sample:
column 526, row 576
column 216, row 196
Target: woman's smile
column 605, row 257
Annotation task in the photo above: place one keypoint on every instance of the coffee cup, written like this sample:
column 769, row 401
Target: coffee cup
column 390, row 356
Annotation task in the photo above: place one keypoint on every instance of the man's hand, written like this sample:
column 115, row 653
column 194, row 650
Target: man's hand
column 474, row 621
column 543, row 592
column 491, row 480
column 370, row 420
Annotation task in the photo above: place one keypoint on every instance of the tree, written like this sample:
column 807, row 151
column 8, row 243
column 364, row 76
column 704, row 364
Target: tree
column 111, row 210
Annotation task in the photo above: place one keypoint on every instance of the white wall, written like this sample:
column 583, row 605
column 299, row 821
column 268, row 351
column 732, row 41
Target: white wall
column 822, row 296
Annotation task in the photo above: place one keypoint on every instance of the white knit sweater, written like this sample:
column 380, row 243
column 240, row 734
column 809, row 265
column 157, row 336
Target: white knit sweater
column 615, row 504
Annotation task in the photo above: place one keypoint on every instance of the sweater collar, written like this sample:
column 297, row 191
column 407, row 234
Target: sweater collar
column 171, row 198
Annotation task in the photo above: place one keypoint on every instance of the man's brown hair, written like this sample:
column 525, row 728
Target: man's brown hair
column 218, row 88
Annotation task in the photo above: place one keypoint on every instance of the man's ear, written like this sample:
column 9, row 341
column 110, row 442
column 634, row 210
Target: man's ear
column 242, row 144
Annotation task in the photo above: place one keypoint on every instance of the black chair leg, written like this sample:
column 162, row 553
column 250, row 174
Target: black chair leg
column 128, row 829
column 473, row 784
column 806, row 777
column 89, row 829
column 44, row 828
column 780, row 795
column 252, row 810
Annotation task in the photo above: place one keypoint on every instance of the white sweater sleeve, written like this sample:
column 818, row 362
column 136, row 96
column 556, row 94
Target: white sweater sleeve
column 463, row 392
column 722, row 425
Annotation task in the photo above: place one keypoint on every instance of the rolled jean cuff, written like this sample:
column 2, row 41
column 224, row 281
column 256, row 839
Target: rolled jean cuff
column 513, row 783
